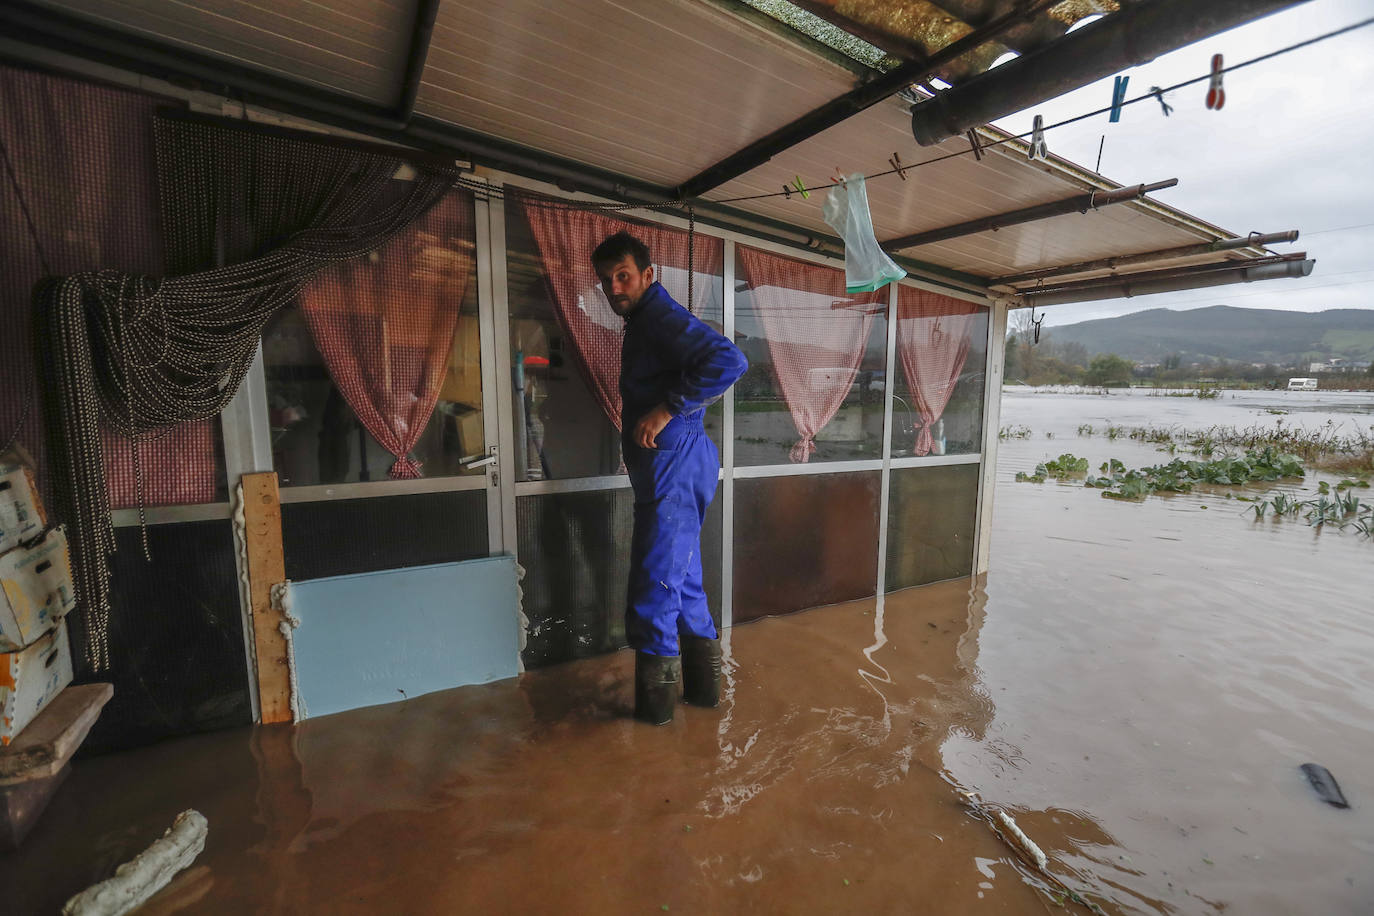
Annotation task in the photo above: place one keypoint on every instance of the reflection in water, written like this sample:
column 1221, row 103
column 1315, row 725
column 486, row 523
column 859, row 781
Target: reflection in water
column 815, row 787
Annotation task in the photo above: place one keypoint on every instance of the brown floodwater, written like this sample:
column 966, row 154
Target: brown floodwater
column 1136, row 683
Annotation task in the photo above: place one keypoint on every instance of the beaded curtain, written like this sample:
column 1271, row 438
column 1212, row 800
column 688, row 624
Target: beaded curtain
column 149, row 353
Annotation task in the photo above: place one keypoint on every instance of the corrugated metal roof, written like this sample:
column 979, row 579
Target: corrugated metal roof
column 357, row 47
column 658, row 91
column 653, row 93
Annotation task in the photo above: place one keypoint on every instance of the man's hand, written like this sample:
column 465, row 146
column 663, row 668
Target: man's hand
column 649, row 426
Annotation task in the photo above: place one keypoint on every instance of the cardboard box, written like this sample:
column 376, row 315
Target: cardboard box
column 30, row 678
column 35, row 590
column 21, row 511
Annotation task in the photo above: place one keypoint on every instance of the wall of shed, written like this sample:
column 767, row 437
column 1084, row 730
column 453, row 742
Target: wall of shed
column 863, row 518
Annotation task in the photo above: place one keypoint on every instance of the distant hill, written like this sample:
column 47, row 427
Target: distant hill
column 1226, row 332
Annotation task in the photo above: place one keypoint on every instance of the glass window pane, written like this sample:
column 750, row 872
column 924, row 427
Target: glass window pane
column 575, row 548
column 395, row 304
column 804, row 541
column 817, row 359
column 931, row 517
column 942, row 345
column 565, row 352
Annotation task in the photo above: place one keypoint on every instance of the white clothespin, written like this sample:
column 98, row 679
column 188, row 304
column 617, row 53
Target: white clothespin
column 1037, row 143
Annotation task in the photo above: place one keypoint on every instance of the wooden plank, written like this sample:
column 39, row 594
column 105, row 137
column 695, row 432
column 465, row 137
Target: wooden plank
column 50, row 740
column 266, row 567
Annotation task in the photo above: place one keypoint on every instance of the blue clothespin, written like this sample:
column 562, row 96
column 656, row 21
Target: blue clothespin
column 1118, row 96
column 1037, row 143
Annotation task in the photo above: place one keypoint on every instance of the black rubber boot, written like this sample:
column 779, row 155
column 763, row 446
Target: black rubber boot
column 656, row 682
column 701, row 671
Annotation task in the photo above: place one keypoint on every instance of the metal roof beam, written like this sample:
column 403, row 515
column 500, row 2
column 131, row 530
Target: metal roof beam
column 420, row 35
column 1173, row 280
column 1125, row 39
column 1253, row 240
column 1079, row 203
column 848, row 105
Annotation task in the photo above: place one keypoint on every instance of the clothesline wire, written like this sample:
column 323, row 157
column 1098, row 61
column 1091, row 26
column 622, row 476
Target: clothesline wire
column 498, row 193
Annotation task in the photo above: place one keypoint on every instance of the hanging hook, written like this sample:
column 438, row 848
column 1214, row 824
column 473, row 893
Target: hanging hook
column 1035, row 324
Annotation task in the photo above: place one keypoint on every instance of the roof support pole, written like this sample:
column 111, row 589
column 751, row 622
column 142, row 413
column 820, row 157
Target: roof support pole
column 1133, row 36
column 1254, row 240
column 1079, row 203
column 1174, row 280
column 849, row 104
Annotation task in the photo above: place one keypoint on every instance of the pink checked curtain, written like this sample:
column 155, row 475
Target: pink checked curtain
column 932, row 342
column 81, row 163
column 385, row 324
column 566, row 239
column 816, row 336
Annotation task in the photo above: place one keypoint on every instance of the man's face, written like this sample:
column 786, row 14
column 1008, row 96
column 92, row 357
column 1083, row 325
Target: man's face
column 624, row 283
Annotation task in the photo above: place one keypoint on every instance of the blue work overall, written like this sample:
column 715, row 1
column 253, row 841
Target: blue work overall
column 671, row 358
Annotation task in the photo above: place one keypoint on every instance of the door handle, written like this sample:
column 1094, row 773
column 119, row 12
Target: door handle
column 479, row 462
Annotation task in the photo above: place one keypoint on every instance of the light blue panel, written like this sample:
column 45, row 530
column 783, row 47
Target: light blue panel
column 384, row 636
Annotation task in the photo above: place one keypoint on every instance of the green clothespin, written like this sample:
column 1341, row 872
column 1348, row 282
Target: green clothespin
column 797, row 183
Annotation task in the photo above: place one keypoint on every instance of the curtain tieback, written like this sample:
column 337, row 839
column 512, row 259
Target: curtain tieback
column 405, row 468
column 803, row 449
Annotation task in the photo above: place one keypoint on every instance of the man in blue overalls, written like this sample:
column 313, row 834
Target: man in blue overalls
column 671, row 367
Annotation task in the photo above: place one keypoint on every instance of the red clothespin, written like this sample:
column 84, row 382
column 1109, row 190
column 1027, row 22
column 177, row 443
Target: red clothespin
column 896, row 163
column 1216, row 95
column 838, row 177
column 1038, row 149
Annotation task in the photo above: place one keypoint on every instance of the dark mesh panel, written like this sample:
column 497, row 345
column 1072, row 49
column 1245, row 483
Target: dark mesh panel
column 931, row 518
column 177, row 657
column 804, row 541
column 343, row 536
column 575, row 548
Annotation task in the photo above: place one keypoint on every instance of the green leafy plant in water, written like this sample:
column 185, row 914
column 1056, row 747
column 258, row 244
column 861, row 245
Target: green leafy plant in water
column 1061, row 468
column 1085, row 429
column 1014, row 432
column 1181, row 475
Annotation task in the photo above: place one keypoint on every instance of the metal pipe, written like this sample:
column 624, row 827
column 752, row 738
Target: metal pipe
column 426, row 11
column 1124, row 39
column 1168, row 281
column 1079, row 203
column 1253, row 240
column 848, row 105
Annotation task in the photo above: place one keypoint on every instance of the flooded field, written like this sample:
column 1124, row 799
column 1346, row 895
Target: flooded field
column 1136, row 683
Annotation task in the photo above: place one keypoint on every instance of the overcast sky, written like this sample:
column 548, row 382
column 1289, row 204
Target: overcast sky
column 1291, row 149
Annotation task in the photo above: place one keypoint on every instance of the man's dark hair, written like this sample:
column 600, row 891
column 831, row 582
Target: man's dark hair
column 617, row 247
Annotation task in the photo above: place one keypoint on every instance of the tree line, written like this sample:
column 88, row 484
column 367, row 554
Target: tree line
column 1053, row 362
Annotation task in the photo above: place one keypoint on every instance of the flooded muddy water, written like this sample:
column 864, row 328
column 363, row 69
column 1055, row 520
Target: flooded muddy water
column 1136, row 683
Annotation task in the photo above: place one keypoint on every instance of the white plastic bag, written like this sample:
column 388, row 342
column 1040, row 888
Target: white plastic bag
column 866, row 266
